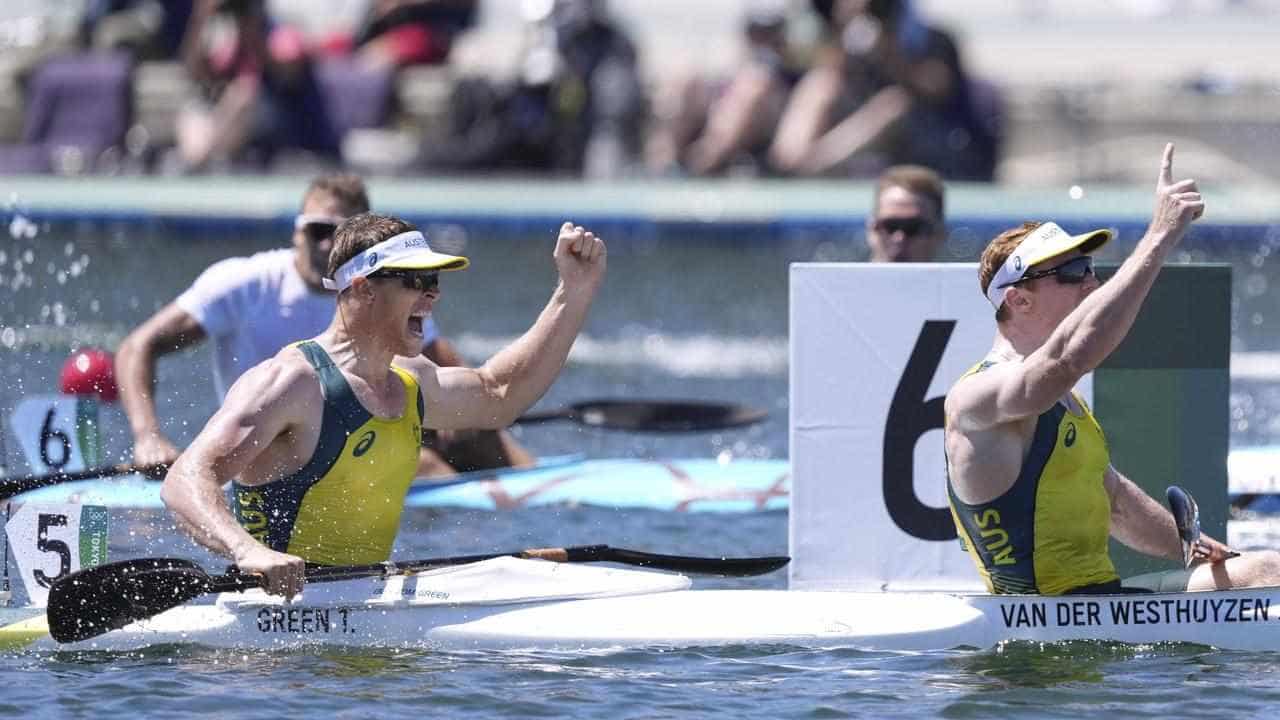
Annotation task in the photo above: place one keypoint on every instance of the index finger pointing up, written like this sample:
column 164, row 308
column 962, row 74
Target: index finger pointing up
column 1166, row 166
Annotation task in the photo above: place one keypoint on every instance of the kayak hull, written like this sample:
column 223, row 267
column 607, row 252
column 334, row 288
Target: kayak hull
column 523, row 604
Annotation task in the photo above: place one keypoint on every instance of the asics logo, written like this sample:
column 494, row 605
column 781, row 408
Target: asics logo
column 366, row 442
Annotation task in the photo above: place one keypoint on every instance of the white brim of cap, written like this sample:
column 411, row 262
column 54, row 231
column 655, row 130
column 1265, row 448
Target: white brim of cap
column 1044, row 243
column 430, row 260
column 406, row 251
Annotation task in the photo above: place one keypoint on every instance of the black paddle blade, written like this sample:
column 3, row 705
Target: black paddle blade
column 1186, row 515
column 664, row 415
column 90, row 602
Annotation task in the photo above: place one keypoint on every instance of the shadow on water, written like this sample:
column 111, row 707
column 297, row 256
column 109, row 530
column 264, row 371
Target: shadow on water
column 1045, row 665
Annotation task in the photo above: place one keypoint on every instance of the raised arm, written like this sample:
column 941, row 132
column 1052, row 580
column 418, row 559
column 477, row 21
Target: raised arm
column 1093, row 330
column 260, row 408
column 170, row 329
column 494, row 395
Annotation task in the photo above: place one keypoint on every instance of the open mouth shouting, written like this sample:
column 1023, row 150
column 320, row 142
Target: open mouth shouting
column 416, row 322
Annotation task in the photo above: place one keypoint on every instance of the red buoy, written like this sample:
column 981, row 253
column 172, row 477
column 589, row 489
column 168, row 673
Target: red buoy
column 90, row 371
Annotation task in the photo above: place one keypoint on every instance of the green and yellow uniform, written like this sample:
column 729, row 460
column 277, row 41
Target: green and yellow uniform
column 1048, row 534
column 343, row 507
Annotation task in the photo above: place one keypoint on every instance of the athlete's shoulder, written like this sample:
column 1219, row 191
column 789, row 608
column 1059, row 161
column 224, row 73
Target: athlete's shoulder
column 972, row 397
column 285, row 376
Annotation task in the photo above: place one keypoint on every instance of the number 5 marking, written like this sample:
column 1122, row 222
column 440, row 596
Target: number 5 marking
column 44, row 544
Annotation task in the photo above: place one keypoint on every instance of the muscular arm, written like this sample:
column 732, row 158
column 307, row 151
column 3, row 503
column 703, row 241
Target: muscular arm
column 1138, row 521
column 1012, row 391
column 260, row 407
column 494, row 395
column 170, row 329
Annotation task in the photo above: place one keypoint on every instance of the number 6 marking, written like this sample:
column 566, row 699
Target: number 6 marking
column 47, row 433
column 911, row 416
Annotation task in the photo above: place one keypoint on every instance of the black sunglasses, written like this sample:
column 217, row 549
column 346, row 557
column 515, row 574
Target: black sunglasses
column 909, row 226
column 1071, row 272
column 420, row 280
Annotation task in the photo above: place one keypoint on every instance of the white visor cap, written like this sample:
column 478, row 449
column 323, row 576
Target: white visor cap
column 406, row 251
column 1045, row 242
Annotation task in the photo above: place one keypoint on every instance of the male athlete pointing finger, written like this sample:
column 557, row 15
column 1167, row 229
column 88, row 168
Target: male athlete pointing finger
column 1029, row 476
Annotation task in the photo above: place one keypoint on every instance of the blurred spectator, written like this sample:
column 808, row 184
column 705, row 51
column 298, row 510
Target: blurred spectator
column 702, row 127
column 890, row 90
column 576, row 108
column 260, row 93
column 396, row 33
column 907, row 221
column 147, row 29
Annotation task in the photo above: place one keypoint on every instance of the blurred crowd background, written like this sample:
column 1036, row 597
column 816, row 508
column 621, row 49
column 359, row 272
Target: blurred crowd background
column 1027, row 92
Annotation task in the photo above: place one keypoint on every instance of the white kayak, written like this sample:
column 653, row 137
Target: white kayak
column 509, row 603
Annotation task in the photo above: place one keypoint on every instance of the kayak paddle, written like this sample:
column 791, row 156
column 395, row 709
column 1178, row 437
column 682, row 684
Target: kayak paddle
column 95, row 600
column 1186, row 516
column 651, row 415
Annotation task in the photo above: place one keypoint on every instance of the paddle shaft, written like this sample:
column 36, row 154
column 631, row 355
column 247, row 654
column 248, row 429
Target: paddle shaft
column 729, row 567
column 651, row 415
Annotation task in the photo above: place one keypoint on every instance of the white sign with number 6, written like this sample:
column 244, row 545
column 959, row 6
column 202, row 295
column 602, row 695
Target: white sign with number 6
column 57, row 433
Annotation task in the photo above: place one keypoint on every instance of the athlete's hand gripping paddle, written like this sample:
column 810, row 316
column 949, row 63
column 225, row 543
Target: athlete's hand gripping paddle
column 1186, row 516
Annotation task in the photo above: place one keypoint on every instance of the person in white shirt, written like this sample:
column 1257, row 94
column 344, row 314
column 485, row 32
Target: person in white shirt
column 250, row 307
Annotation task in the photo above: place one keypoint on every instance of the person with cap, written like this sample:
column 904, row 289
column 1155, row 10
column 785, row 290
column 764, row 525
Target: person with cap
column 250, row 307
column 906, row 222
column 322, row 439
column 1032, row 490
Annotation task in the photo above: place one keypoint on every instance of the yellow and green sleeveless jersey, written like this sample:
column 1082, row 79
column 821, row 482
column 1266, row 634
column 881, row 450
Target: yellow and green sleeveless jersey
column 1048, row 534
column 343, row 507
